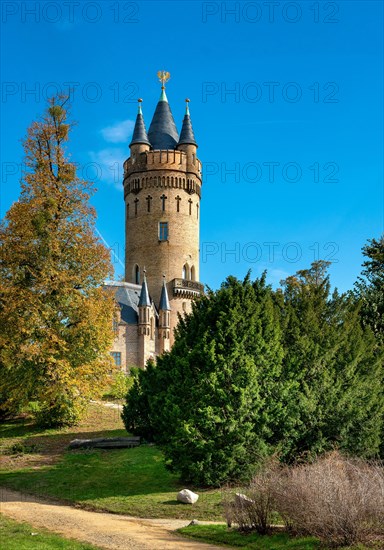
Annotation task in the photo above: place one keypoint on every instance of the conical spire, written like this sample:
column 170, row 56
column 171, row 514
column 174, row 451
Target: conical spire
column 164, row 301
column 144, row 300
column 186, row 135
column 162, row 132
column 139, row 132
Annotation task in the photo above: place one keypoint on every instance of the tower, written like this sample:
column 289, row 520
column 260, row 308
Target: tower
column 162, row 190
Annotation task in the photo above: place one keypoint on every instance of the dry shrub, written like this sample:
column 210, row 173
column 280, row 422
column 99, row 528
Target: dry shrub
column 254, row 511
column 339, row 500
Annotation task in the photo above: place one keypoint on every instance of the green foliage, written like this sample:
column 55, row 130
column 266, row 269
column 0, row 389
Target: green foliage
column 211, row 403
column 56, row 320
column 66, row 410
column 254, row 371
column 22, row 448
column 336, row 374
column 370, row 288
column 120, row 385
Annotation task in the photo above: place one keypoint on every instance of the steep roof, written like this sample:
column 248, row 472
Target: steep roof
column 127, row 296
column 186, row 135
column 144, row 300
column 164, row 301
column 139, row 133
column 162, row 132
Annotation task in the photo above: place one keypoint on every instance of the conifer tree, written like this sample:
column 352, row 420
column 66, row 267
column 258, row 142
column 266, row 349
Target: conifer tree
column 55, row 318
column 370, row 288
column 336, row 375
column 211, row 403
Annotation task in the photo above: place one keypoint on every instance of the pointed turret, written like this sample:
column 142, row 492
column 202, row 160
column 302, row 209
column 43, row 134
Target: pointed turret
column 144, row 300
column 187, row 136
column 162, row 132
column 139, row 133
column 146, row 323
column 164, row 320
column 187, row 142
column 164, row 301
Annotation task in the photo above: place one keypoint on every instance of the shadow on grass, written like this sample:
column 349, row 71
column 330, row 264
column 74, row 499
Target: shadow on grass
column 97, row 475
column 18, row 428
column 173, row 503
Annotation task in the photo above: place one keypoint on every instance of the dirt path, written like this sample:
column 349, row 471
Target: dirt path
column 109, row 531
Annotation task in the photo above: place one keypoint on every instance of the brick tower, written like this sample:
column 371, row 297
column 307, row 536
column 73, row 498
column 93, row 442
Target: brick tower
column 162, row 188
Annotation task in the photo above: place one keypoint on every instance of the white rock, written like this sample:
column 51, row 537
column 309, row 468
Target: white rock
column 187, row 497
column 243, row 499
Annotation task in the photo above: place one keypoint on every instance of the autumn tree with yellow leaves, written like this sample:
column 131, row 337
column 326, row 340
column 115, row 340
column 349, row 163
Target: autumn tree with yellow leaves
column 55, row 317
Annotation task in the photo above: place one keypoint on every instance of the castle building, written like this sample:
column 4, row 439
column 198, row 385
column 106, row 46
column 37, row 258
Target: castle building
column 162, row 191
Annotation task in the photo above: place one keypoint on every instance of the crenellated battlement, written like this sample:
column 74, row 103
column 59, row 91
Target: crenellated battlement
column 172, row 180
column 162, row 169
column 162, row 160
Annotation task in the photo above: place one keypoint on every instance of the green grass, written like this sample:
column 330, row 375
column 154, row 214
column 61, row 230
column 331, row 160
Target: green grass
column 128, row 481
column 17, row 536
column 221, row 535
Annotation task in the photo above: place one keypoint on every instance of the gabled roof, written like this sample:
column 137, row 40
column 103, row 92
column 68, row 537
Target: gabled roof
column 162, row 132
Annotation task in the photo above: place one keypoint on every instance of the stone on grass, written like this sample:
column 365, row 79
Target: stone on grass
column 187, row 497
column 242, row 499
column 194, row 522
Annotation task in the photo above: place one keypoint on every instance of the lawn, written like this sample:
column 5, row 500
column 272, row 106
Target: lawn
column 128, row 481
column 21, row 536
column 220, row 534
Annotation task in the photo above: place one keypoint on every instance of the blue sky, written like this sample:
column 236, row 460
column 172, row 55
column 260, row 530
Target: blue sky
column 286, row 104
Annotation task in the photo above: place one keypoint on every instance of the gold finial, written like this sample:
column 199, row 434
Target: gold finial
column 163, row 76
column 140, row 100
column 187, row 100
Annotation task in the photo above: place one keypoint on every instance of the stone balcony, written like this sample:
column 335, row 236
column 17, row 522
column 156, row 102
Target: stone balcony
column 183, row 288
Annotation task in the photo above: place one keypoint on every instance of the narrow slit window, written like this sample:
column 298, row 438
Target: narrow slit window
column 163, row 199
column 137, row 275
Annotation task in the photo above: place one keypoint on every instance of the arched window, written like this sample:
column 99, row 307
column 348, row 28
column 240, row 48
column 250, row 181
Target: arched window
column 136, row 275
column 186, row 272
column 193, row 273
